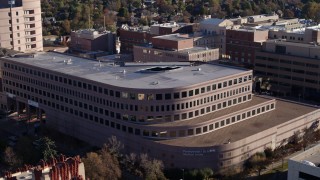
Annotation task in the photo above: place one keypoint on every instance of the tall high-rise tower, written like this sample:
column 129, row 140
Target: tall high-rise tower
column 20, row 25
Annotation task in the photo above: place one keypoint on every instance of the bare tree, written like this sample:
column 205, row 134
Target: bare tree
column 111, row 163
column 115, row 147
column 102, row 165
column 94, row 166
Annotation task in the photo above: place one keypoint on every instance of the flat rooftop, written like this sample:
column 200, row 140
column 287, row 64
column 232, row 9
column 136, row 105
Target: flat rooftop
column 173, row 37
column 248, row 30
column 311, row 155
column 193, row 50
column 315, row 159
column 284, row 42
column 171, row 25
column 284, row 112
column 130, row 75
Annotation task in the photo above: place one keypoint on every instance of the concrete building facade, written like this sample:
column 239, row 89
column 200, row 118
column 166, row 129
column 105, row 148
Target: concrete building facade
column 21, row 26
column 175, row 112
column 213, row 34
column 263, row 18
column 303, row 35
column 292, row 68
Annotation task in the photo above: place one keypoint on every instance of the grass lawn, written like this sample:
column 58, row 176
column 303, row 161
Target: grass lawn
column 279, row 168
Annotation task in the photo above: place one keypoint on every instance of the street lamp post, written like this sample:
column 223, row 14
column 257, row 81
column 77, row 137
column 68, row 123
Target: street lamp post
column 182, row 174
column 299, row 97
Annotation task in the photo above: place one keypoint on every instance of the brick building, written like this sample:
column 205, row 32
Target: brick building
column 131, row 36
column 241, row 44
column 87, row 40
column 174, row 47
column 172, row 28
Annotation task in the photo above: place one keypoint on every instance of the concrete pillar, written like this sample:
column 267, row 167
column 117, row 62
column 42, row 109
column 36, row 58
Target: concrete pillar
column 38, row 112
column 18, row 107
column 28, row 112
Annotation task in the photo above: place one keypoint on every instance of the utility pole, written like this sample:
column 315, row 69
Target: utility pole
column 89, row 19
column 11, row 2
column 104, row 22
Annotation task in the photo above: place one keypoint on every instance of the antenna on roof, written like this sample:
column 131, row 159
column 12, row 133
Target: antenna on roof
column 155, row 83
column 69, row 61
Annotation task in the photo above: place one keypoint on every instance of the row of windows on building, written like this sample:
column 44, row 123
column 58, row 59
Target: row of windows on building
column 286, row 62
column 290, row 37
column 125, row 117
column 126, row 95
column 26, row 12
column 181, row 133
column 287, row 77
column 26, row 26
column 33, row 90
column 165, row 134
column 288, row 69
column 28, row 46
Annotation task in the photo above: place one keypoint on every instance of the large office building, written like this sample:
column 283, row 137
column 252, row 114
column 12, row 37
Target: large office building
column 20, row 26
column 175, row 112
column 292, row 68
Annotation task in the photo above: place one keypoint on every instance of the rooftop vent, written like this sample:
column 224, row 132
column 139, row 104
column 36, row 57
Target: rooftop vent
column 158, row 69
column 308, row 163
column 67, row 61
column 155, row 83
column 24, row 55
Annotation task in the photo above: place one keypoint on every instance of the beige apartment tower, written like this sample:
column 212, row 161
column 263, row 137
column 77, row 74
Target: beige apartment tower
column 20, row 25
